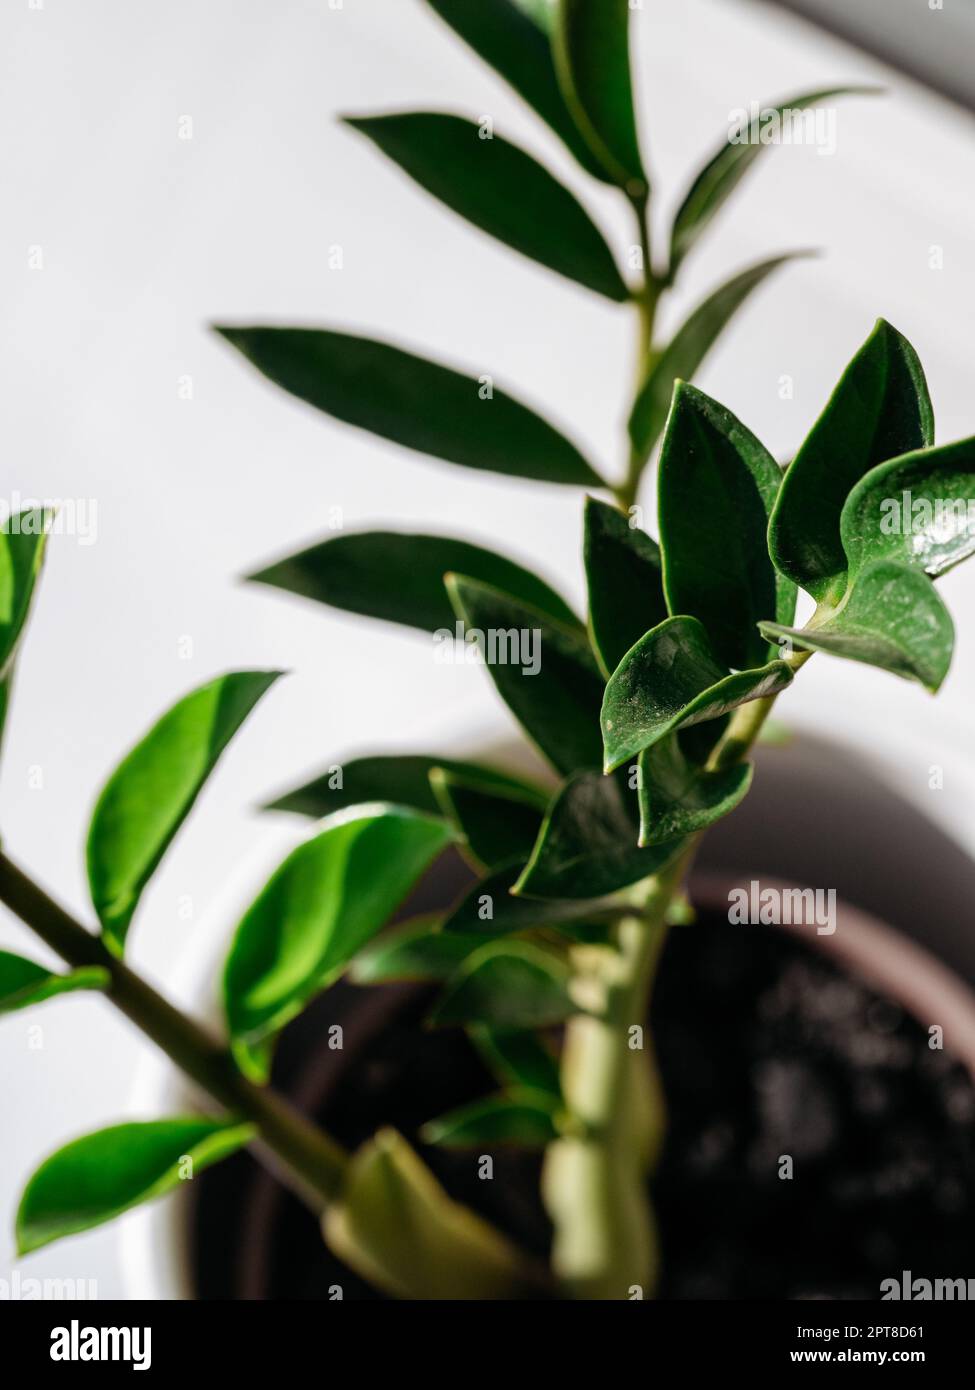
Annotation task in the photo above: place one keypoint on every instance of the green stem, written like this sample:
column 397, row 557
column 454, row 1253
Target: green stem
column 595, row 1176
column 309, row 1161
column 646, row 299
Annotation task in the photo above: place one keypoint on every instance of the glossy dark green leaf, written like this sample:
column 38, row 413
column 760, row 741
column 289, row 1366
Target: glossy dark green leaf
column 879, row 410
column 400, row 578
column 588, row 847
column 672, row 679
column 400, row 1229
column 626, row 596
column 154, row 788
column 491, row 909
column 522, row 1118
column 320, row 907
column 891, row 617
column 678, row 799
column 717, row 487
column 508, row 36
column 98, row 1177
column 22, row 542
column 501, row 190
column 919, row 509
column 688, row 348
column 591, row 43
column 507, row 984
column 545, row 672
column 518, row 1058
column 417, row 950
column 722, row 174
column 414, row 402
column 402, row 778
column 496, row 828
column 23, row 982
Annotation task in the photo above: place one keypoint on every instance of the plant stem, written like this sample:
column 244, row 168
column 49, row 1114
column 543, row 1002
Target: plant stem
column 309, row 1161
column 595, row 1177
column 646, row 299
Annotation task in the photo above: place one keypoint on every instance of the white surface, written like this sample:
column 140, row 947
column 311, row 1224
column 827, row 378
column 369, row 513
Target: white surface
column 145, row 237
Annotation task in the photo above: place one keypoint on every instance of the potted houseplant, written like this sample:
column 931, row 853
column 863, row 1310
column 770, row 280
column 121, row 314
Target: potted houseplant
column 647, row 713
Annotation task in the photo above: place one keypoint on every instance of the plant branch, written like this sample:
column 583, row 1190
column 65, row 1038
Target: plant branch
column 645, row 298
column 311, row 1163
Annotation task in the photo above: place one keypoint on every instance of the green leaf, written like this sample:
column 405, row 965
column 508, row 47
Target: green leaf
column 722, row 174
column 400, row 578
column 402, row 778
column 671, row 679
column 678, row 799
column 153, row 790
column 23, row 538
column 718, row 485
column 22, row 982
column 626, row 596
column 509, row 37
column 519, row 1059
column 919, row 510
column 591, row 43
column 688, row 348
column 891, row 617
column 496, row 827
column 588, row 847
column 507, row 984
column 320, row 907
column 98, row 1177
column 524, row 1118
column 490, row 908
column 397, row 1226
column 879, row 410
column 502, row 190
column 419, row 404
column 417, row 950
column 545, row 672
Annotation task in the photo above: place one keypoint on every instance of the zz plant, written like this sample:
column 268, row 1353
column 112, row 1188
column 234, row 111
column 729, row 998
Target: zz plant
column 646, row 713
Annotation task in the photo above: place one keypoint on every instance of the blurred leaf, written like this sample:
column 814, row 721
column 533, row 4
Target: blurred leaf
column 419, row 404
column 554, row 690
column 918, row 510
column 496, row 827
column 588, row 847
column 325, row 901
column 417, row 950
column 509, row 37
column 592, row 59
column 23, row 538
column 879, row 410
column 891, row 617
column 397, row 1227
column 98, row 1177
column 502, row 190
column 23, row 983
column 507, row 984
column 402, row 778
column 153, row 790
column 521, row 1117
column 400, row 578
column 671, row 679
column 678, row 799
column 490, row 908
column 626, row 596
column 722, row 174
column 688, row 348
column 519, row 1059
column 717, row 487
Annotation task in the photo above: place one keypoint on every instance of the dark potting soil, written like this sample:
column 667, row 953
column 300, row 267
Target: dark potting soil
column 768, row 1052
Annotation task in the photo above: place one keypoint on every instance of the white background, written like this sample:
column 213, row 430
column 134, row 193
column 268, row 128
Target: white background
column 146, row 237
